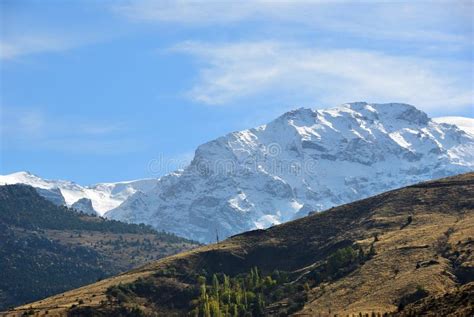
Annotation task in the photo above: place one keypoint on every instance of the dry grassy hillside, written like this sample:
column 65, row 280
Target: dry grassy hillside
column 402, row 252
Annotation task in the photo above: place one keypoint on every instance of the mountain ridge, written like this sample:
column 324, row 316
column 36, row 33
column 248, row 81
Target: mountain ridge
column 398, row 252
column 103, row 196
column 463, row 123
column 305, row 160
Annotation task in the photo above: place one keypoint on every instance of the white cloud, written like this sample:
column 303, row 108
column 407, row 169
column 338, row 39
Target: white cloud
column 233, row 71
column 187, row 12
column 22, row 37
column 402, row 20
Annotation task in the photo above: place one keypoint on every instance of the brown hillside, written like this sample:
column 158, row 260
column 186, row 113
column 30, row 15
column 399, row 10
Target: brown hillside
column 413, row 244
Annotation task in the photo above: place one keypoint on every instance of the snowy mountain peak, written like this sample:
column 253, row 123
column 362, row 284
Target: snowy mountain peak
column 300, row 114
column 102, row 197
column 465, row 124
column 23, row 177
column 304, row 160
column 382, row 112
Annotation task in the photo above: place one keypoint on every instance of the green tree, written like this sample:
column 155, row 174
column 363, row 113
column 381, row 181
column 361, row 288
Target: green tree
column 215, row 287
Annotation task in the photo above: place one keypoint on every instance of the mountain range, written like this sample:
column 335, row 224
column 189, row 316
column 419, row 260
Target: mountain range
column 304, row 161
column 406, row 252
column 95, row 199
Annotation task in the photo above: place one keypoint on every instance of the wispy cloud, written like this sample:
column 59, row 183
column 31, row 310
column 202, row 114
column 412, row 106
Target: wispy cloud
column 32, row 44
column 188, row 12
column 230, row 72
column 324, row 51
column 401, row 20
column 31, row 27
column 33, row 128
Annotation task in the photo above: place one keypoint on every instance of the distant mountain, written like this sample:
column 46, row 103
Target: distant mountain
column 406, row 252
column 306, row 160
column 103, row 196
column 46, row 249
column 463, row 123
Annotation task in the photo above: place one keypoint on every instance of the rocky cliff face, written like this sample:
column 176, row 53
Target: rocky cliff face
column 303, row 161
column 84, row 205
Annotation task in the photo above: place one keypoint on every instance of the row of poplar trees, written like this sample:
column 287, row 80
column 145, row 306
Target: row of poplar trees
column 241, row 296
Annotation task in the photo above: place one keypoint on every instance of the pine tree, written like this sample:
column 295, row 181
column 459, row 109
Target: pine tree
column 203, row 292
column 226, row 283
column 372, row 250
column 206, row 309
column 256, row 278
column 214, row 308
column 361, row 254
column 235, row 311
column 215, row 287
column 225, row 310
column 250, row 279
column 237, row 294
column 246, row 304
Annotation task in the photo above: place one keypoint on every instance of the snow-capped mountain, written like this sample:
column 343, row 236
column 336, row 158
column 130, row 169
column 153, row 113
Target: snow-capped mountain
column 102, row 197
column 463, row 123
column 304, row 160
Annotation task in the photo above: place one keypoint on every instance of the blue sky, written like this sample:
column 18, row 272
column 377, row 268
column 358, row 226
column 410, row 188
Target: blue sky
column 96, row 91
